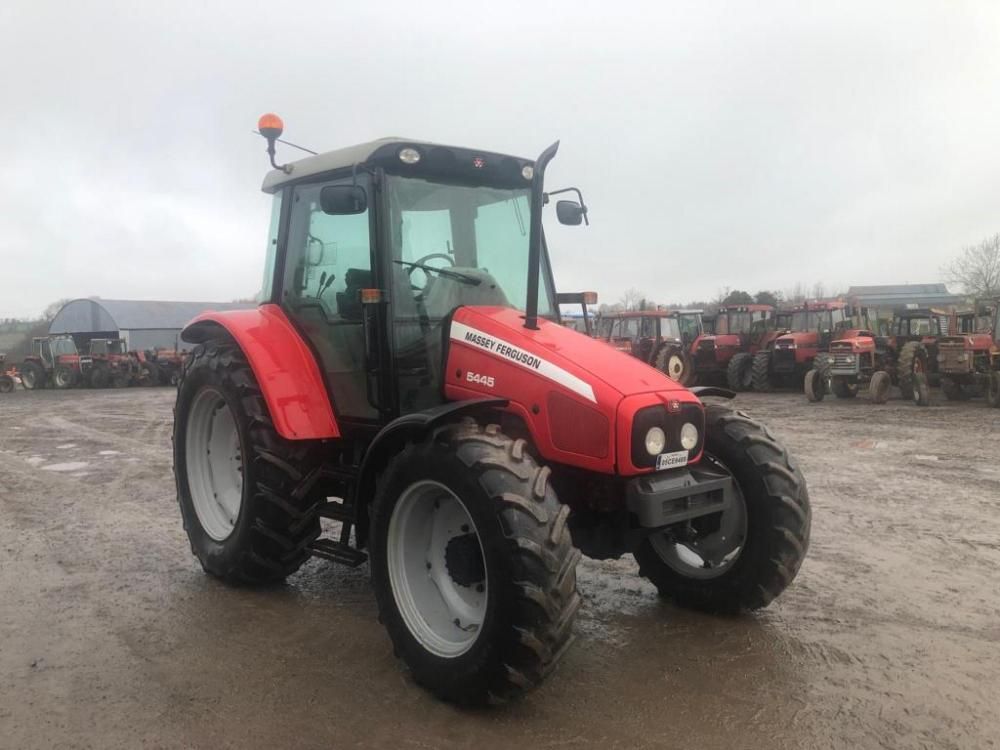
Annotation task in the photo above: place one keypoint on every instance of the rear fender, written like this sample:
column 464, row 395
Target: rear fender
column 286, row 370
column 391, row 439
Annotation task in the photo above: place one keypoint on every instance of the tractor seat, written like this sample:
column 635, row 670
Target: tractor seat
column 349, row 300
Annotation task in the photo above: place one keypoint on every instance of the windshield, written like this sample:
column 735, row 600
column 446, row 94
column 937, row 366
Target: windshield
column 782, row 321
column 690, row 325
column 916, row 327
column 63, row 346
column 816, row 320
column 670, row 328
column 458, row 245
column 734, row 322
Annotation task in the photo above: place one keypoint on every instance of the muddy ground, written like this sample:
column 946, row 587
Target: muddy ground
column 111, row 636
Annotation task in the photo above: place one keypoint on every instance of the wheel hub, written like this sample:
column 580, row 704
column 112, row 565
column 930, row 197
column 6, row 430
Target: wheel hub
column 464, row 561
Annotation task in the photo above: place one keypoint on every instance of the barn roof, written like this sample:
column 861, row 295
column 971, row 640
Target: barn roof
column 95, row 315
column 902, row 294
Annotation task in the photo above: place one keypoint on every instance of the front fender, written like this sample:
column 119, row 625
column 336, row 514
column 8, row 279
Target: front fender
column 286, row 370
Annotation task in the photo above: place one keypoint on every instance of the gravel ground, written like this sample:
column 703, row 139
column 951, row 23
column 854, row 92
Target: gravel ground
column 111, row 636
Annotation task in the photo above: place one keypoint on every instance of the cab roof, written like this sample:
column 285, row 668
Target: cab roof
column 380, row 149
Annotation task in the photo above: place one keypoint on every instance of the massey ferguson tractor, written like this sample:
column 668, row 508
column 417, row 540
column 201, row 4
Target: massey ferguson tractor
column 111, row 365
column 969, row 358
column 811, row 328
column 726, row 355
column 915, row 335
column 652, row 336
column 406, row 375
column 53, row 360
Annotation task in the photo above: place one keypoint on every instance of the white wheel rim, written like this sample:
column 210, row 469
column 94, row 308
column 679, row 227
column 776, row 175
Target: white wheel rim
column 675, row 366
column 444, row 615
column 214, row 459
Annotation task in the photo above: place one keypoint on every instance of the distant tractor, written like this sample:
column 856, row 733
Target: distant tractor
column 969, row 358
column 111, row 364
column 812, row 327
column 739, row 330
column 167, row 362
column 6, row 375
column 915, row 335
column 53, row 360
column 653, row 336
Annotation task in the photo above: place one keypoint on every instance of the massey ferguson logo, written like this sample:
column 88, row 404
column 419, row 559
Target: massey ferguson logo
column 479, row 162
column 504, row 350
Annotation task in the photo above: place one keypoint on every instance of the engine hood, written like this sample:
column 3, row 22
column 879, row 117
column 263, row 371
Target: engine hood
column 500, row 331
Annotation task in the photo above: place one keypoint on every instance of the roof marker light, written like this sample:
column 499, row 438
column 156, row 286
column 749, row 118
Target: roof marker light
column 527, row 172
column 409, row 155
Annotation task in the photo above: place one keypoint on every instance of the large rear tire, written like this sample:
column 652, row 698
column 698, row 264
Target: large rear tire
column 248, row 497
column 814, row 387
column 64, row 377
column 675, row 363
column 32, row 376
column 775, row 503
column 912, row 359
column 739, row 374
column 761, row 372
column 483, row 611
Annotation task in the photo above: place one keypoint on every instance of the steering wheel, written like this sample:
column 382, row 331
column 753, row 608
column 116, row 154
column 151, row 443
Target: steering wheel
column 415, row 266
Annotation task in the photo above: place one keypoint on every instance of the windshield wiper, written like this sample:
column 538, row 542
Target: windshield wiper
column 455, row 275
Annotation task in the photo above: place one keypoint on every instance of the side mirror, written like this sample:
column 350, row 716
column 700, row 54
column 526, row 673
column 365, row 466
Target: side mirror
column 569, row 213
column 340, row 200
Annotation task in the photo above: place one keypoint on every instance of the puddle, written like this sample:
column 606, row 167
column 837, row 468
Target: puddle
column 109, row 453
column 35, row 460
column 70, row 466
column 65, row 447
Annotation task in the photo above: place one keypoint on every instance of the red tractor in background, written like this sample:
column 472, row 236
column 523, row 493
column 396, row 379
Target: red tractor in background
column 727, row 354
column 469, row 446
column 811, row 328
column 653, row 337
column 111, row 365
column 7, row 375
column 55, row 360
column 914, row 337
column 166, row 365
column 969, row 358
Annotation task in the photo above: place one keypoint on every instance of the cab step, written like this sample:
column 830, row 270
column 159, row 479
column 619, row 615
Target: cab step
column 338, row 552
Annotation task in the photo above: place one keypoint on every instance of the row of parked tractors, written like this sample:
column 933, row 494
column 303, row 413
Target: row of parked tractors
column 824, row 348
column 57, row 362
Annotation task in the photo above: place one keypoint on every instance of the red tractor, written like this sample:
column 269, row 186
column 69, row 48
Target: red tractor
column 914, row 337
column 740, row 331
column 969, row 358
column 652, row 336
column 55, row 360
column 810, row 329
column 7, row 375
column 165, row 365
column 111, row 365
column 407, row 376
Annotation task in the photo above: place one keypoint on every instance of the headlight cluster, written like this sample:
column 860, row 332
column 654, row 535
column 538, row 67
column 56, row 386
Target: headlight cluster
column 655, row 431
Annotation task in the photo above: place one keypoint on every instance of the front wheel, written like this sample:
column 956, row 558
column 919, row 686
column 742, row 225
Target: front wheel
column 676, row 364
column 6, row 384
column 842, row 387
column 878, row 387
column 920, row 389
column 741, row 558
column 761, row 372
column 814, row 386
column 739, row 373
column 472, row 564
column 64, row 377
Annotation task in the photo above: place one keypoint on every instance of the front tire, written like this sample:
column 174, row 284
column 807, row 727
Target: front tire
column 64, row 377
column 469, row 646
column 813, row 386
column 761, row 372
column 912, row 359
column 247, row 496
column 953, row 390
column 993, row 389
column 777, row 517
column 739, row 374
column 676, row 364
column 878, row 387
column 6, row 384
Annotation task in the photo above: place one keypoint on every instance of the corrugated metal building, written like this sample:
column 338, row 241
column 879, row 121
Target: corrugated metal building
column 896, row 295
column 143, row 324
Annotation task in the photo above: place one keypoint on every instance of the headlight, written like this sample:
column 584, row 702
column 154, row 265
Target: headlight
column 656, row 441
column 689, row 436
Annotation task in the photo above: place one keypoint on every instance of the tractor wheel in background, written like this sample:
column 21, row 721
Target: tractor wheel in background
column 675, row 363
column 953, row 390
column 921, row 389
column 879, row 387
column 64, row 377
column 842, row 387
column 120, row 379
column 761, row 372
column 814, row 386
column 6, row 384
column 739, row 374
column 993, row 389
column 148, row 376
column 741, row 558
column 247, row 496
column 912, row 359
column 472, row 564
column 99, row 377
column 32, row 376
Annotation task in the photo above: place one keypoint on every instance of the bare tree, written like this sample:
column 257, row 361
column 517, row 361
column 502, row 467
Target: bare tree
column 977, row 268
column 819, row 290
column 631, row 299
column 53, row 308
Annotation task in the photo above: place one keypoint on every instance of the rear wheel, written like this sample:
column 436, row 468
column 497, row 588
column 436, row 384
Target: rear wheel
column 472, row 563
column 6, row 384
column 744, row 557
column 64, row 377
column 675, row 363
column 247, row 496
column 879, row 387
column 99, row 377
column 761, row 372
column 912, row 359
column 993, row 389
column 739, row 374
column 32, row 376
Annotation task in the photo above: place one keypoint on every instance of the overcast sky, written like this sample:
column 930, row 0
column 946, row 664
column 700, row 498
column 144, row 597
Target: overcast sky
column 746, row 144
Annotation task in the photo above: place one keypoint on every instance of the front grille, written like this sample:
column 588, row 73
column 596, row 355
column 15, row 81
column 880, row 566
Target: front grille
column 705, row 355
column 954, row 358
column 844, row 361
column 783, row 360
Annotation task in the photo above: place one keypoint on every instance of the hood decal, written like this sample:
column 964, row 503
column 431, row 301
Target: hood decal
column 510, row 353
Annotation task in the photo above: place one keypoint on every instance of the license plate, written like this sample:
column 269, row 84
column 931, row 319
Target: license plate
column 671, row 460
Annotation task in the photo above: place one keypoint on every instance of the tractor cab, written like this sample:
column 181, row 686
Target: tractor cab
column 691, row 323
column 737, row 329
column 107, row 347
column 652, row 336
